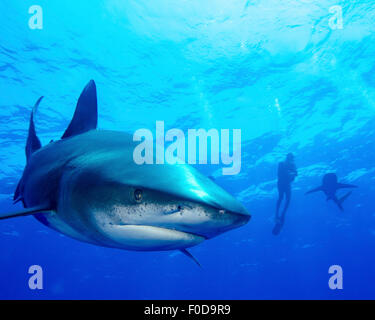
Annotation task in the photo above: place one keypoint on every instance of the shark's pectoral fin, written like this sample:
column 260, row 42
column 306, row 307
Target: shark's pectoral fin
column 26, row 212
column 314, row 190
column 188, row 254
column 345, row 186
column 86, row 114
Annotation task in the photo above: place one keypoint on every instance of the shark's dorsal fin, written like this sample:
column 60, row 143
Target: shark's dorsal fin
column 188, row 254
column 33, row 142
column 86, row 114
column 25, row 212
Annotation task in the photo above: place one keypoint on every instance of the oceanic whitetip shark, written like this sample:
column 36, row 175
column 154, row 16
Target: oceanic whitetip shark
column 87, row 186
column 330, row 185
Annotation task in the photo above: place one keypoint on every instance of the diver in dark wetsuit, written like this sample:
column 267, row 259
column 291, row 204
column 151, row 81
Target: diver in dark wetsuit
column 287, row 172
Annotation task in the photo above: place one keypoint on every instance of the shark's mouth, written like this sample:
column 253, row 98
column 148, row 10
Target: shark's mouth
column 150, row 238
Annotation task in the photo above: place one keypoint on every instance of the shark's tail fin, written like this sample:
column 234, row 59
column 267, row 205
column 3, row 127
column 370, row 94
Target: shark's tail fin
column 32, row 145
column 343, row 198
column 340, row 201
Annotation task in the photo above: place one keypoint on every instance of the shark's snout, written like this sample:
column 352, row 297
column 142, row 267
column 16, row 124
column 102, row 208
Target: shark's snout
column 231, row 220
column 209, row 222
column 240, row 219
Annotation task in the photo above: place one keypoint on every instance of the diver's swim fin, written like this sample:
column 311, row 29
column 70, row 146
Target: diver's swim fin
column 25, row 212
column 188, row 254
column 85, row 117
column 277, row 229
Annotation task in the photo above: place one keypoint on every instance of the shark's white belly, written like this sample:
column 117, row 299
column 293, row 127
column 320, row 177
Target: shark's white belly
column 147, row 238
column 129, row 237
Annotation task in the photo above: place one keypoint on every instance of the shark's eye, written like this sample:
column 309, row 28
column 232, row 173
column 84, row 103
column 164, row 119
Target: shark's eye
column 138, row 195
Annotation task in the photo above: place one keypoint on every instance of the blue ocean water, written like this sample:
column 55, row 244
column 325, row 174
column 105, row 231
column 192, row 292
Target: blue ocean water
column 284, row 72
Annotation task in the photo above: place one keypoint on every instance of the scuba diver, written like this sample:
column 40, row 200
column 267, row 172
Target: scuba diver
column 330, row 185
column 287, row 172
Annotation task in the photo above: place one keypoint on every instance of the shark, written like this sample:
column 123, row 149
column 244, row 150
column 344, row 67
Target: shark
column 330, row 185
column 87, row 186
